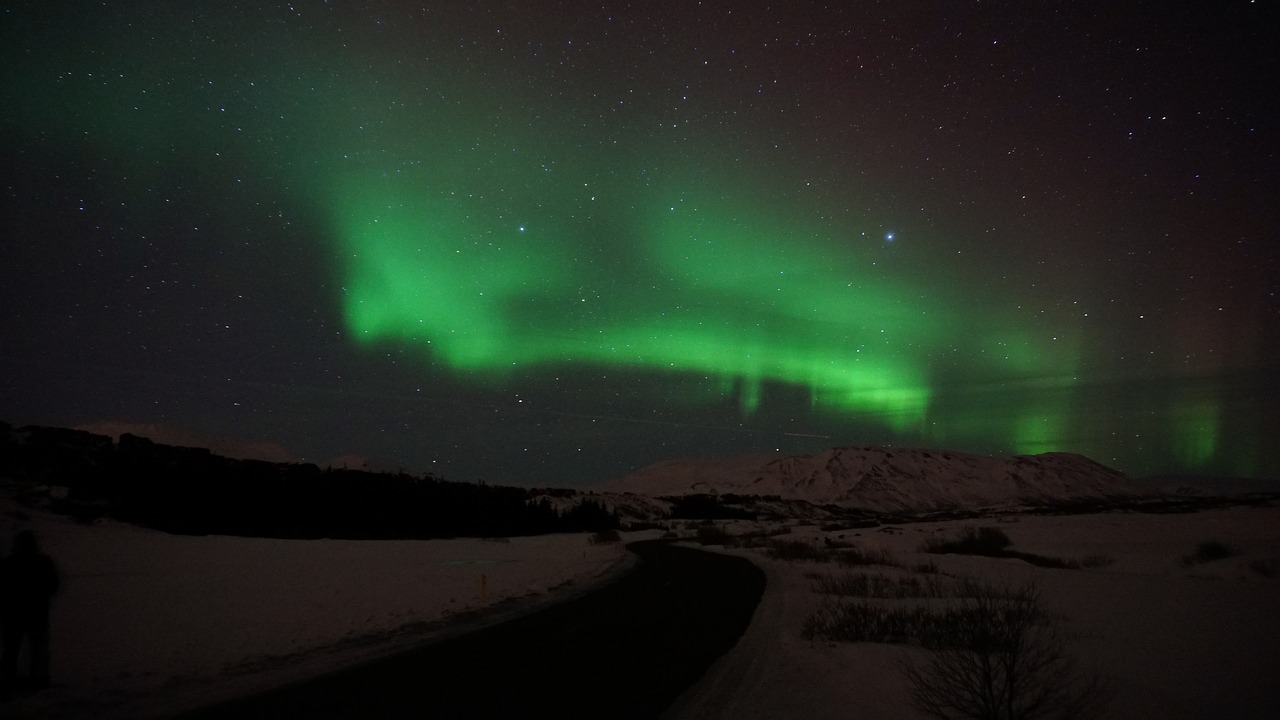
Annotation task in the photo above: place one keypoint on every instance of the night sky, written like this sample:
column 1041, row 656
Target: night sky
column 548, row 242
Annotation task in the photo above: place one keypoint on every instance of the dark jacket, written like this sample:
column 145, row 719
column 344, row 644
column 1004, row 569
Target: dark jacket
column 27, row 582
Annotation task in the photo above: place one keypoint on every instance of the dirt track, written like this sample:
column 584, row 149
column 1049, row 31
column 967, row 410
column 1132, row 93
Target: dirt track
column 625, row 651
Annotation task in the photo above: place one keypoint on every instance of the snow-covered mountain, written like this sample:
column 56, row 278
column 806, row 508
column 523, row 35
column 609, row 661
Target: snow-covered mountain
column 887, row 479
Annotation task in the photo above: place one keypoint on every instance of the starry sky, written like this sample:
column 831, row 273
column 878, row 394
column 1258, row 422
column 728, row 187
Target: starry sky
column 549, row 242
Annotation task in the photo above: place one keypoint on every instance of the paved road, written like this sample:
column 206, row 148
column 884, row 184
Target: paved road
column 625, row 651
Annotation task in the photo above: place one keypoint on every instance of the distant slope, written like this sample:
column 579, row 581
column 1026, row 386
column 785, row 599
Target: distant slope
column 887, row 480
column 693, row 475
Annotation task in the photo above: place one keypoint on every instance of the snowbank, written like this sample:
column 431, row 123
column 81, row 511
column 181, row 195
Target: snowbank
column 147, row 622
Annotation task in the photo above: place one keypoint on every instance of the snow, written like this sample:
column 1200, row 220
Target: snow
column 149, row 623
column 1176, row 641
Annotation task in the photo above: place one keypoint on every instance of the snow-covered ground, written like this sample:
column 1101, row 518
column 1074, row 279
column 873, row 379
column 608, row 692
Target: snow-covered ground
column 147, row 623
column 1176, row 641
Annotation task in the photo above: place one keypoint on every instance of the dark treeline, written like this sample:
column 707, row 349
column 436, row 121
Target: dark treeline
column 193, row 491
column 710, row 507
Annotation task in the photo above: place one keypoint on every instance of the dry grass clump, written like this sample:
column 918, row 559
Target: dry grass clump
column 1266, row 567
column 970, row 541
column 899, row 623
column 713, row 535
column 880, row 585
column 796, row 550
column 991, row 542
column 867, row 556
column 863, row 622
column 605, row 537
column 842, row 553
column 1209, row 551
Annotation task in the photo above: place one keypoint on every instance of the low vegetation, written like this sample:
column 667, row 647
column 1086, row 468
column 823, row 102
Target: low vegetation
column 605, row 537
column 1266, row 567
column 993, row 652
column 970, row 541
column 867, row 556
column 843, row 553
column 864, row 622
column 709, row 533
column 709, row 507
column 797, row 550
column 712, row 535
column 999, row 656
column 879, row 585
column 991, row 542
column 1209, row 551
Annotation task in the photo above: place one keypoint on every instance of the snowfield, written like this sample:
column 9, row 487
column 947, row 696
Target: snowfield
column 1176, row 641
column 148, row 623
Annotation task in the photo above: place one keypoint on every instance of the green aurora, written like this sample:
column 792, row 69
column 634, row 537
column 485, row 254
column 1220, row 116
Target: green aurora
column 468, row 211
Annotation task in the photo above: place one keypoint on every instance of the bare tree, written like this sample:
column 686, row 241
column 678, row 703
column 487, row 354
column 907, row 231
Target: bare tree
column 998, row 656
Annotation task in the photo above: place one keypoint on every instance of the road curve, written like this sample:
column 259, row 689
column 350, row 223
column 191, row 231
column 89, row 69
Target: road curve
column 624, row 651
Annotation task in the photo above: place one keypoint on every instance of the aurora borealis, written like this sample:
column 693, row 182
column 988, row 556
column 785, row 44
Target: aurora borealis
column 550, row 242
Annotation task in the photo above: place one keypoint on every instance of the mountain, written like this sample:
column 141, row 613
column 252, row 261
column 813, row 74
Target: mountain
column 887, row 479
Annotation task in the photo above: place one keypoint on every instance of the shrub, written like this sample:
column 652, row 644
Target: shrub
column 991, row 542
column 994, row 655
column 1044, row 561
column 1209, row 551
column 712, row 535
column 1097, row 561
column 883, row 586
column 999, row 656
column 970, row 541
column 858, row 556
column 855, row 585
column 754, row 541
column 795, row 550
column 604, row 537
column 862, row 622
column 866, row 622
column 1267, row 568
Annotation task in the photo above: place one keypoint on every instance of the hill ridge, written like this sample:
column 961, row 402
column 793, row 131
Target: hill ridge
column 887, row 479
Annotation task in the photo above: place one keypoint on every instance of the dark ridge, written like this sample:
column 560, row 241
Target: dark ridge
column 193, row 491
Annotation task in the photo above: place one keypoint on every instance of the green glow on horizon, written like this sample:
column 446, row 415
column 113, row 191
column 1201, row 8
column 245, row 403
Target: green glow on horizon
column 1195, row 430
column 1035, row 434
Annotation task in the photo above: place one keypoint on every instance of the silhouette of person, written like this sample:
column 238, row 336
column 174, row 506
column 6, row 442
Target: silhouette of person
column 28, row 581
